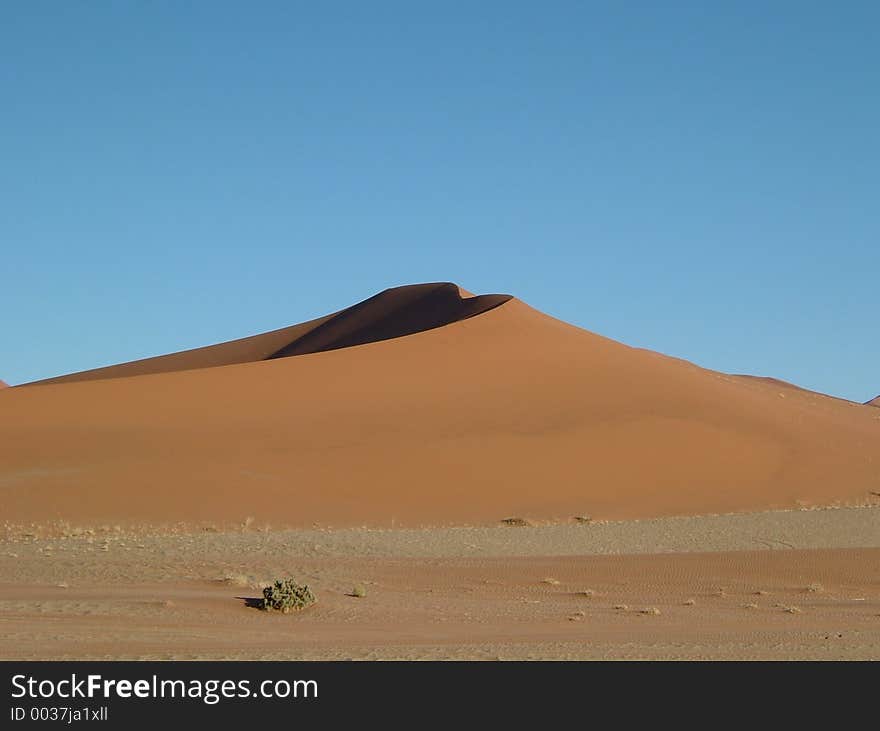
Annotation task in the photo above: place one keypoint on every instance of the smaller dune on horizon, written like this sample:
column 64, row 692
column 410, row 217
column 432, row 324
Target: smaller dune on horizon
column 771, row 381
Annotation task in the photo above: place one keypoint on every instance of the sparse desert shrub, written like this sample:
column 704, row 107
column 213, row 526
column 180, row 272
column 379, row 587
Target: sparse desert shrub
column 519, row 522
column 815, row 588
column 359, row 591
column 285, row 596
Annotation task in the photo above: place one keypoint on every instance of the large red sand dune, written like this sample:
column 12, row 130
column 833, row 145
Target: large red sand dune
column 874, row 402
column 488, row 409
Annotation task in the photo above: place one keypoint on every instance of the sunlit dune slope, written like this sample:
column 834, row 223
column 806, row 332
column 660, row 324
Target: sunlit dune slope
column 508, row 412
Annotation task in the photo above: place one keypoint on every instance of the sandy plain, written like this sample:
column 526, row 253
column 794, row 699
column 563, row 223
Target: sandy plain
column 799, row 584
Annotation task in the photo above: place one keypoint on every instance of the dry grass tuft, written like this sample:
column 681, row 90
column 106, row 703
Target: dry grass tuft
column 241, row 580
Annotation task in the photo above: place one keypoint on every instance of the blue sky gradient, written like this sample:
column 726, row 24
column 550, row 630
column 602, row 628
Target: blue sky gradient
column 695, row 178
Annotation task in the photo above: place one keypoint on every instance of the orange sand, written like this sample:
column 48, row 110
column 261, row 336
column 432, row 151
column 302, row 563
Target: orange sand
column 420, row 407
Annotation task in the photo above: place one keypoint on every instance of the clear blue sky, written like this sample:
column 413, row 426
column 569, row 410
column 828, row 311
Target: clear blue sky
column 699, row 178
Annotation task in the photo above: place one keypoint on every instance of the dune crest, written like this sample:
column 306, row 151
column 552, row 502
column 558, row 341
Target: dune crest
column 873, row 402
column 393, row 313
column 509, row 413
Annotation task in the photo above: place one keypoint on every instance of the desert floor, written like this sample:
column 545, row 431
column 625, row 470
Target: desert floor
column 801, row 584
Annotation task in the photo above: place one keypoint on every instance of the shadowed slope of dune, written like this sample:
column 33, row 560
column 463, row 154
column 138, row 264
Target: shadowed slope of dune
column 510, row 413
column 3, row 384
column 390, row 314
column 873, row 402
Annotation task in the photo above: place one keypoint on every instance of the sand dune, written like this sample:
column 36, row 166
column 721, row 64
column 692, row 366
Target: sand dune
column 490, row 409
column 390, row 314
column 873, row 402
column 3, row 384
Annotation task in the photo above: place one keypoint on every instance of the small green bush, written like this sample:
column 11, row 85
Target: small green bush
column 285, row 596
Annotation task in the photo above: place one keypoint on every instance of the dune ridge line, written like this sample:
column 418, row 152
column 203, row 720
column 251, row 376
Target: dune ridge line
column 393, row 313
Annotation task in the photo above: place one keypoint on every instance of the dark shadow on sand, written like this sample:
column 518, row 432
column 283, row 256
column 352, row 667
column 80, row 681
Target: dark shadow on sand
column 251, row 602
